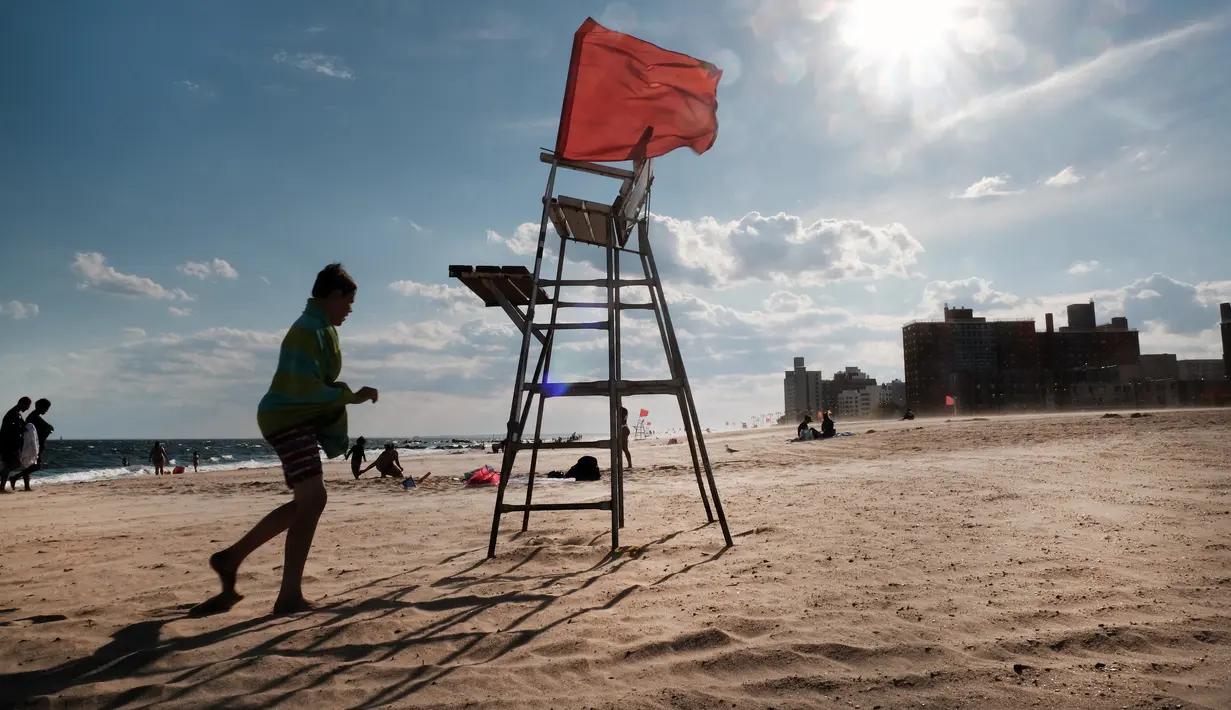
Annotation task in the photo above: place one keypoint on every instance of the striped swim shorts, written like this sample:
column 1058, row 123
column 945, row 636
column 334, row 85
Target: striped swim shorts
column 297, row 450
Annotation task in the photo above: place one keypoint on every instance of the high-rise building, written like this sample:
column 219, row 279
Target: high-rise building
column 1224, row 310
column 985, row 365
column 849, row 378
column 803, row 391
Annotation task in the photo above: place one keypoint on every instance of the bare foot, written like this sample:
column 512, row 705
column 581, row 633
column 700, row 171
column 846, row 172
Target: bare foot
column 225, row 571
column 296, row 605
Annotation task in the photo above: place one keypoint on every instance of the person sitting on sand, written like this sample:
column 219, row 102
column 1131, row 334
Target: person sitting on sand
column 357, row 456
column 624, row 432
column 827, row 426
column 803, row 427
column 12, row 436
column 387, row 463
column 43, row 430
column 303, row 412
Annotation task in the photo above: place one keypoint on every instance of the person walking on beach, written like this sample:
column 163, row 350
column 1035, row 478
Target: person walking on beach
column 196, row 461
column 12, row 435
column 356, row 456
column 43, row 430
column 158, row 457
column 624, row 432
column 304, row 408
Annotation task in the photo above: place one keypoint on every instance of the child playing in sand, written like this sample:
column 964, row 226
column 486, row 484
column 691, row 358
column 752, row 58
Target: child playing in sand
column 305, row 407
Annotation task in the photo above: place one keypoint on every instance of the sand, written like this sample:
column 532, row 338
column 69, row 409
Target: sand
column 1067, row 561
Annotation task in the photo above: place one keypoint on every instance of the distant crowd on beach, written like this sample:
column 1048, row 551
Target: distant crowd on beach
column 23, row 440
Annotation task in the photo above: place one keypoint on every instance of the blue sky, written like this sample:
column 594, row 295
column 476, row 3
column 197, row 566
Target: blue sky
column 172, row 175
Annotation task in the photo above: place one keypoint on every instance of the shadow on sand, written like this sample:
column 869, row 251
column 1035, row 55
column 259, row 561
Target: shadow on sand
column 135, row 649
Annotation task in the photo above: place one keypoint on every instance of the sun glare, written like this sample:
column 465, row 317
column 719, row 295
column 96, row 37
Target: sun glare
column 893, row 29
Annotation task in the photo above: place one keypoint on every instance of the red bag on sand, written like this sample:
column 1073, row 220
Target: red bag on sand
column 486, row 476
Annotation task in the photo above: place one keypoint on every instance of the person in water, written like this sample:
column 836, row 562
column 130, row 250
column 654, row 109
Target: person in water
column 158, row 457
column 303, row 412
column 387, row 463
column 357, row 456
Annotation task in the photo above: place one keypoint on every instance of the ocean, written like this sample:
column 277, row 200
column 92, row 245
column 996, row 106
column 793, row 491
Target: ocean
column 75, row 461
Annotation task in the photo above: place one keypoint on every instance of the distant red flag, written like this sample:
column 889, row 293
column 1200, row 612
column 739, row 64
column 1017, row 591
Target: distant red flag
column 644, row 413
column 627, row 99
column 949, row 401
column 649, row 423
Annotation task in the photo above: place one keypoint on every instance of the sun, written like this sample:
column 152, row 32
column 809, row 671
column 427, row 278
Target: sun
column 897, row 29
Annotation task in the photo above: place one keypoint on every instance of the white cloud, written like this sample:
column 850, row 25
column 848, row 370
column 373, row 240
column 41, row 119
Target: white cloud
column 1064, row 178
column 781, row 248
column 205, row 269
column 454, row 298
column 97, row 275
column 18, row 310
column 190, row 86
column 1082, row 267
column 132, row 334
column 264, row 279
column 525, row 239
column 973, row 292
column 326, row 64
column 1147, row 293
column 1071, row 82
column 179, row 312
column 993, row 186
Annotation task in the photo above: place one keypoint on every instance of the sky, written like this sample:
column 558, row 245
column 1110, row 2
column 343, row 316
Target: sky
column 173, row 175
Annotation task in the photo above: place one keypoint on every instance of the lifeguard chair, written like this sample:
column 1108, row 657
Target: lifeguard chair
column 521, row 293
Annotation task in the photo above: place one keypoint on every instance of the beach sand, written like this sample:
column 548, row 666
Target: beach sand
column 1063, row 561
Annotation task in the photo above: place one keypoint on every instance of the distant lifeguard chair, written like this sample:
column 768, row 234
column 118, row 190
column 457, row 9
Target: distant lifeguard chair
column 519, row 292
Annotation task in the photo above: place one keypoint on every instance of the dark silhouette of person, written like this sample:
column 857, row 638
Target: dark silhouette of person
column 196, row 461
column 827, row 426
column 803, row 426
column 12, row 436
column 43, row 430
column 158, row 457
column 356, row 456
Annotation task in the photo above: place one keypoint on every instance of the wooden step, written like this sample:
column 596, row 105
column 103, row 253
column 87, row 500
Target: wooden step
column 601, row 388
column 594, row 325
column 516, row 508
column 543, row 445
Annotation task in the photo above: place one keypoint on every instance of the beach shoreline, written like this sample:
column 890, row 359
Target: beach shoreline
column 1015, row 561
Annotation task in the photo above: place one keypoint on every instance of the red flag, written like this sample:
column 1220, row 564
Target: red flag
column 627, row 99
column 949, row 401
column 644, row 413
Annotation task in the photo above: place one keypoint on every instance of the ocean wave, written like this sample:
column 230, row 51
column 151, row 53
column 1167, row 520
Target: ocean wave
column 110, row 474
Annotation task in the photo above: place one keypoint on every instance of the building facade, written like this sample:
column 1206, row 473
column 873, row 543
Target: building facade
column 803, row 392
column 1007, row 365
column 1224, row 310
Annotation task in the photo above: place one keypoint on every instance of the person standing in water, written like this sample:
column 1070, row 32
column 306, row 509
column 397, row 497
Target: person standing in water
column 356, row 456
column 196, row 461
column 304, row 409
column 158, row 457
column 43, row 430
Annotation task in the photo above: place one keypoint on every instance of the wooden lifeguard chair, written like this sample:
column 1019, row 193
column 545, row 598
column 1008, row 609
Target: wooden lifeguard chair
column 520, row 293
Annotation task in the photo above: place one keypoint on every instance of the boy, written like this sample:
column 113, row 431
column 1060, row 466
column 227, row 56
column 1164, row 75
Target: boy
column 305, row 407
